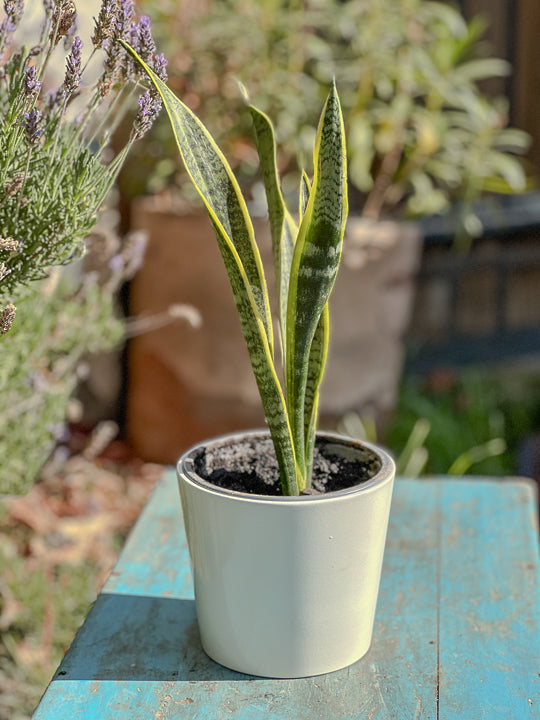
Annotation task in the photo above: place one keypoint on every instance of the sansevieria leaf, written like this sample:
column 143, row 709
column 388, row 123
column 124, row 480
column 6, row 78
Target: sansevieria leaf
column 316, row 258
column 317, row 362
column 219, row 190
column 317, row 357
column 283, row 229
column 226, row 207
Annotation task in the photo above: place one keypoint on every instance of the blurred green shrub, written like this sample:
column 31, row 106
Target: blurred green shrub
column 420, row 131
column 59, row 321
column 477, row 420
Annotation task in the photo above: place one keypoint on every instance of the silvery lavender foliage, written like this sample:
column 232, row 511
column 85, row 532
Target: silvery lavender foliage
column 66, row 323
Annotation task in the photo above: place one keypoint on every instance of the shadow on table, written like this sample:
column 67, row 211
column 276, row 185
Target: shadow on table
column 133, row 637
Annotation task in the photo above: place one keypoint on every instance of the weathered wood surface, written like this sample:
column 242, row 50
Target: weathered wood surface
column 457, row 631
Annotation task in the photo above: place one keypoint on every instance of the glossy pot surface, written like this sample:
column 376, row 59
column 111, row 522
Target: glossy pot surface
column 287, row 586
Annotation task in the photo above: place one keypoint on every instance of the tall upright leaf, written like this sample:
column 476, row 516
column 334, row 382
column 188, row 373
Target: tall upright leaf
column 218, row 188
column 283, row 229
column 317, row 357
column 316, row 365
column 316, row 258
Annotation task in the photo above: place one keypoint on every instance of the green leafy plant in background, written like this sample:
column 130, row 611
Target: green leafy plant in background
column 477, row 420
column 306, row 260
column 413, row 454
column 421, row 133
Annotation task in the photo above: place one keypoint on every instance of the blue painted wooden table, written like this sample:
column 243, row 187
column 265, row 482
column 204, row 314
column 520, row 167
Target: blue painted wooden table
column 457, row 632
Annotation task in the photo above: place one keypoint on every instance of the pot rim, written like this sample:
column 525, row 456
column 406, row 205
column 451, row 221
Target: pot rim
column 186, row 470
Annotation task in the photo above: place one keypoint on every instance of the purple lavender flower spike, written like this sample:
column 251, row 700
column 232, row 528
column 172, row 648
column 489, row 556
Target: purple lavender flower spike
column 124, row 17
column 130, row 70
column 127, row 13
column 73, row 67
column 104, row 23
column 149, row 107
column 160, row 67
column 147, row 46
column 64, row 16
column 32, row 85
column 32, row 126
column 132, row 36
column 69, row 36
column 14, row 11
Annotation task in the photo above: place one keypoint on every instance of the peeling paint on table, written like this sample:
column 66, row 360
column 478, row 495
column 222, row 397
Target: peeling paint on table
column 457, row 633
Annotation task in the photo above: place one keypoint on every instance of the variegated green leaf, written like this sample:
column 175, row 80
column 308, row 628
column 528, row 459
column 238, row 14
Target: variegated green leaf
column 317, row 358
column 219, row 190
column 317, row 362
column 315, row 263
column 283, row 229
column 267, row 380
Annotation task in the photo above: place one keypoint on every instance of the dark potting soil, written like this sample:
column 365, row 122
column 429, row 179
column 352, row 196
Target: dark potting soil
column 250, row 466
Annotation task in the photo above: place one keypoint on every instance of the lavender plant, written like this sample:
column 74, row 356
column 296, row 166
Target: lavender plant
column 42, row 361
column 56, row 169
column 56, row 163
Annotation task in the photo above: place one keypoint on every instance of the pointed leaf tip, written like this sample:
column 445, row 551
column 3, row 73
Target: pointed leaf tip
column 243, row 91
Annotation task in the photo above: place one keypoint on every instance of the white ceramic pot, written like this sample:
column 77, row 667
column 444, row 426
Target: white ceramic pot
column 287, row 586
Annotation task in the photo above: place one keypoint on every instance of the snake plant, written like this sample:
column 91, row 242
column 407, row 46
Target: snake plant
column 306, row 259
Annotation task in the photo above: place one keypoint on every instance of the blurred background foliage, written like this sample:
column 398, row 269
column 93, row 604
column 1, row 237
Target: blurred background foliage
column 421, row 132
column 40, row 366
column 467, row 422
column 61, row 321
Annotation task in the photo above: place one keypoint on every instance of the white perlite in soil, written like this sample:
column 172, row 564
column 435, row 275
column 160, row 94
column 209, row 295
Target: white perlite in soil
column 258, row 457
